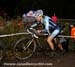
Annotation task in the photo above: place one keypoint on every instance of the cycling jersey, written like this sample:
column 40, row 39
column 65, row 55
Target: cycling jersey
column 49, row 24
column 50, row 27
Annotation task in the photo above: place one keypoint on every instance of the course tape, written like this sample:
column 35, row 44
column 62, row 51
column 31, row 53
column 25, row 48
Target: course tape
column 14, row 34
column 7, row 35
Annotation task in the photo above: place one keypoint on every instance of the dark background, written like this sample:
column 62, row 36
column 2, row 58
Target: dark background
column 62, row 8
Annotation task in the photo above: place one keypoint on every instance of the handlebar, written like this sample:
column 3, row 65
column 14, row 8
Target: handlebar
column 33, row 32
column 37, row 33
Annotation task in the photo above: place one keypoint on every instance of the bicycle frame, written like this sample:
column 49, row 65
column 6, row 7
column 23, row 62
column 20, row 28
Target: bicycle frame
column 35, row 37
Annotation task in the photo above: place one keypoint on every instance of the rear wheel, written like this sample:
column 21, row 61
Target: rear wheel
column 24, row 48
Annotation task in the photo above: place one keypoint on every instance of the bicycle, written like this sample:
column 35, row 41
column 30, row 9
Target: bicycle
column 25, row 47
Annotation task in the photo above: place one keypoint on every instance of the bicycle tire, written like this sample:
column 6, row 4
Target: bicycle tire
column 24, row 43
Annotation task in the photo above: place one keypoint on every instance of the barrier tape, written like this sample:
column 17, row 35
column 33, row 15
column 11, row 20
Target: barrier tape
column 29, row 33
column 14, row 34
column 66, row 36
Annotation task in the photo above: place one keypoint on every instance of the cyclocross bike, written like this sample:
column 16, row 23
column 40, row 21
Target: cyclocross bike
column 25, row 47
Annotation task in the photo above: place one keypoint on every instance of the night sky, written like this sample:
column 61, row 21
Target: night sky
column 62, row 8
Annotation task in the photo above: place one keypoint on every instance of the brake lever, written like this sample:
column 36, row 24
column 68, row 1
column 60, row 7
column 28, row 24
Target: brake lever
column 29, row 31
column 33, row 33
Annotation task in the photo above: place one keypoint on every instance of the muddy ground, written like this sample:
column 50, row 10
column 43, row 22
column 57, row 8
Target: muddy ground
column 39, row 59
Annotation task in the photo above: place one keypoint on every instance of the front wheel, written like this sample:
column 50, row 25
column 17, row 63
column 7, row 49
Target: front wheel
column 24, row 48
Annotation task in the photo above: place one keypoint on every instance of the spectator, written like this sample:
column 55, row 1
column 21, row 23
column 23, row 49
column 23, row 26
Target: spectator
column 28, row 17
column 73, row 36
column 30, row 13
column 73, row 32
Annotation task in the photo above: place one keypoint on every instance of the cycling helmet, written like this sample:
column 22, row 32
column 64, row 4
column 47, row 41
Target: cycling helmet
column 38, row 13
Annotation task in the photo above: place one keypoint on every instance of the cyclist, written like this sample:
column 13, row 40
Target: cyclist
column 49, row 24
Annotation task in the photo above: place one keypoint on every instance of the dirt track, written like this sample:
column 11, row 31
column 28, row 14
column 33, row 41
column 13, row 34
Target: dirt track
column 40, row 60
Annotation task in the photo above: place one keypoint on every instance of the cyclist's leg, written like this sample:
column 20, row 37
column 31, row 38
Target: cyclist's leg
column 61, row 40
column 49, row 40
column 51, row 37
column 60, row 43
column 60, row 46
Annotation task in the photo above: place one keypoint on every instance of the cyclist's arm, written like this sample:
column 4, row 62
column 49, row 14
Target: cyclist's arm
column 34, row 25
column 46, row 26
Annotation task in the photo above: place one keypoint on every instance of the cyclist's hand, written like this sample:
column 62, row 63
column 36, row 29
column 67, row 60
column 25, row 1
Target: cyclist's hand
column 31, row 28
column 39, row 31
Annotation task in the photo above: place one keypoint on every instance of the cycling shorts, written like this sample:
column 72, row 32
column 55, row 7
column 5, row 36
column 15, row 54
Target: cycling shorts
column 55, row 33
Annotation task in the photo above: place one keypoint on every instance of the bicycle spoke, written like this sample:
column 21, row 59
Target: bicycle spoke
column 24, row 49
